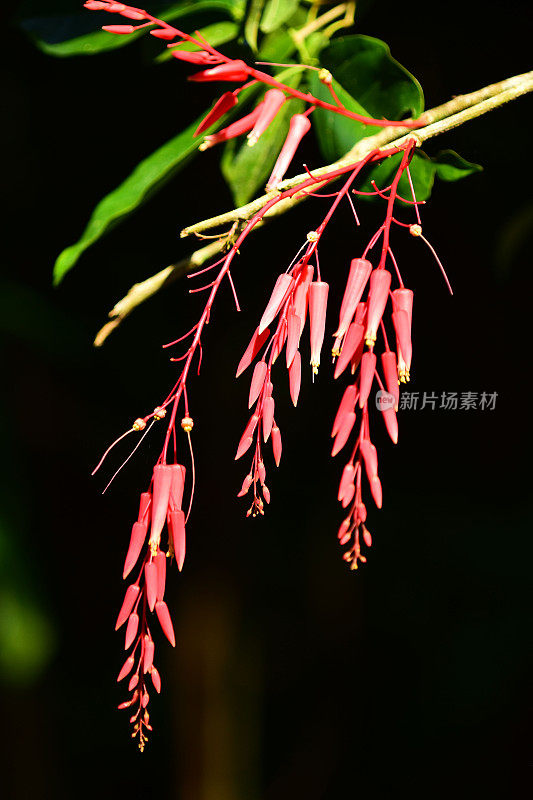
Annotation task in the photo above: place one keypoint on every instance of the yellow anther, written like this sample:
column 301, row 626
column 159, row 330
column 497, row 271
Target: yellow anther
column 139, row 424
column 415, row 230
column 159, row 412
column 312, row 236
column 187, row 424
column 325, row 76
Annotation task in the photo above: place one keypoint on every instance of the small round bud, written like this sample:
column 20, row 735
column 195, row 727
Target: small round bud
column 139, row 424
column 187, row 424
column 415, row 230
column 159, row 412
column 325, row 76
column 312, row 236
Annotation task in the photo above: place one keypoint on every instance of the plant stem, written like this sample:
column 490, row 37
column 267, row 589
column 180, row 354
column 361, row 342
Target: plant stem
column 440, row 119
column 435, row 121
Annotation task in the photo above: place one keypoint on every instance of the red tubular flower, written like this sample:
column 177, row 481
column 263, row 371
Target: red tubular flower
column 221, row 107
column 268, row 417
column 150, row 576
column 120, row 29
column 298, row 127
column 177, row 532
column 390, row 370
column 293, row 336
column 377, row 300
column 195, row 57
column 256, row 343
column 351, row 349
column 230, row 71
column 318, row 300
column 237, row 128
column 301, row 295
column 295, row 377
column 138, row 535
column 131, row 630
column 164, row 33
column 360, row 270
column 347, row 404
column 368, row 368
column 132, row 593
column 272, row 102
column 276, row 444
column 163, row 616
column 402, row 303
column 258, row 379
column 280, row 292
column 161, row 496
column 345, row 428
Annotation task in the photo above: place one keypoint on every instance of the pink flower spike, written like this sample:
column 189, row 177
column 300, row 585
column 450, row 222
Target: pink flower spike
column 247, row 482
column 276, row 444
column 347, row 404
column 318, row 301
column 192, row 57
column 138, row 535
column 344, row 432
column 230, row 71
column 347, row 496
column 352, row 348
column 370, row 457
column 150, row 576
column 164, row 33
column 256, row 343
column 279, row 293
column 377, row 300
column 366, row 378
column 131, row 630
column 294, row 326
column 257, row 382
column 177, row 529
column 148, row 656
column 295, row 377
column 160, row 562
column 163, row 616
column 301, row 295
column 131, row 13
column 347, row 478
column 272, row 102
column 126, row 668
column 390, row 370
column 298, row 127
column 268, row 417
column 236, row 128
column 244, row 445
column 161, row 496
column 376, row 490
column 132, row 593
column 144, row 507
column 177, row 485
column 120, row 29
column 391, row 423
column 360, row 270
column 221, row 107
column 156, row 679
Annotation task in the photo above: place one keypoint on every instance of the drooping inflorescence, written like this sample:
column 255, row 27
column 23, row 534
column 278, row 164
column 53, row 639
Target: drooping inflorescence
column 374, row 287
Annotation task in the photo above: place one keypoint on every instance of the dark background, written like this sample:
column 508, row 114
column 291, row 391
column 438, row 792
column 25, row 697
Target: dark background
column 292, row 676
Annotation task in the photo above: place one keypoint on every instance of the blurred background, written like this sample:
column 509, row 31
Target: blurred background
column 292, row 676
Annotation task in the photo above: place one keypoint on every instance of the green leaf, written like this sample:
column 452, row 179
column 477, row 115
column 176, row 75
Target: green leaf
column 276, row 13
column 450, row 166
column 147, row 177
column 246, row 169
column 216, row 34
column 79, row 35
column 336, row 134
column 367, row 80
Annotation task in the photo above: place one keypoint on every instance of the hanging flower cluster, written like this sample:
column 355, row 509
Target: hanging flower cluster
column 374, row 287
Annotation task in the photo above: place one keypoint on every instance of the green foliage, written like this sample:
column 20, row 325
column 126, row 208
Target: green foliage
column 147, row 177
column 277, row 12
column 368, row 81
column 246, row 169
column 451, row 167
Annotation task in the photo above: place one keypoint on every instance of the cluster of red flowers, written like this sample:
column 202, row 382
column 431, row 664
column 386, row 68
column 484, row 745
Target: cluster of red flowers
column 298, row 292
